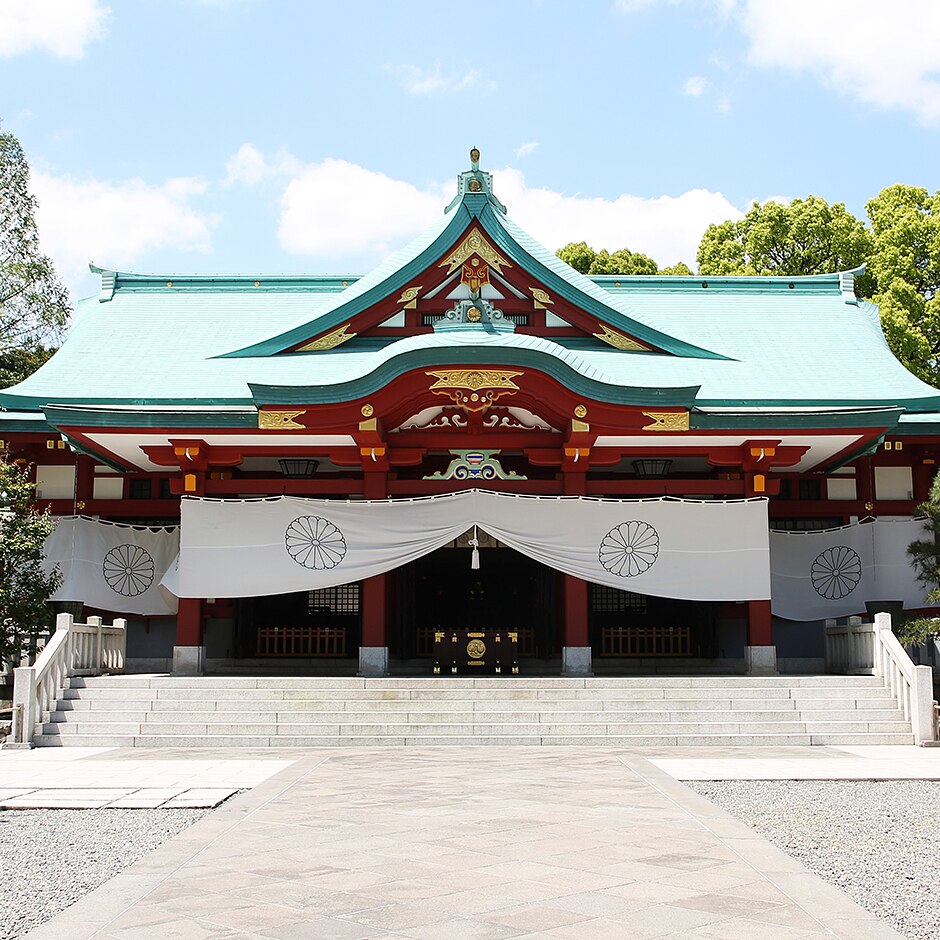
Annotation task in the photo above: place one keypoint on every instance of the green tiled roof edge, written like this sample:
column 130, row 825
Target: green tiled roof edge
column 379, row 377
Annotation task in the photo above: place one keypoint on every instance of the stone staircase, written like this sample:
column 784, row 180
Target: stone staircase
column 240, row 711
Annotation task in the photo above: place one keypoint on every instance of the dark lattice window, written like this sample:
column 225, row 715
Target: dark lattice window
column 784, row 490
column 806, row 525
column 810, row 489
column 342, row 599
column 608, row 600
column 165, row 488
column 140, row 488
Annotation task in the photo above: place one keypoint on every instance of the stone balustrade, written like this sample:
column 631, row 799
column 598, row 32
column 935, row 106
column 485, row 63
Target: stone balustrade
column 858, row 648
column 75, row 649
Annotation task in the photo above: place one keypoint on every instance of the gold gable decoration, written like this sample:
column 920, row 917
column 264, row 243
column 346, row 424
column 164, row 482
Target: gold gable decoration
column 541, row 299
column 667, row 420
column 618, row 340
column 474, row 389
column 329, row 340
column 474, row 244
column 279, row 420
column 409, row 297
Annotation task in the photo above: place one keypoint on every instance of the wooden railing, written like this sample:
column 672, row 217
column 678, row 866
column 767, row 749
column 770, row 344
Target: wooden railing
column 75, row 649
column 646, row 641
column 301, row 641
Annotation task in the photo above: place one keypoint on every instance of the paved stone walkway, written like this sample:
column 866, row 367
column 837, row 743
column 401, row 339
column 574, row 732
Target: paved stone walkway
column 455, row 843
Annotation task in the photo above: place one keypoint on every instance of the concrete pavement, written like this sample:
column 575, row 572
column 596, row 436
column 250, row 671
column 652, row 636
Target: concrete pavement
column 466, row 843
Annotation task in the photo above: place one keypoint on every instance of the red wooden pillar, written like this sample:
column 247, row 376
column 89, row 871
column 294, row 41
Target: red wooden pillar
column 760, row 654
column 372, row 607
column 576, row 611
column 576, row 650
column 759, row 631
column 189, row 651
column 84, row 481
column 373, row 647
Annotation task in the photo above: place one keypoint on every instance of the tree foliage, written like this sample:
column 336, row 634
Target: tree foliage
column 25, row 586
column 585, row 259
column 34, row 305
column 16, row 364
column 925, row 557
column 905, row 263
column 807, row 236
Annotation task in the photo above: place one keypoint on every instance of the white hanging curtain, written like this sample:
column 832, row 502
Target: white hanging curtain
column 113, row 567
column 828, row 574
column 699, row 550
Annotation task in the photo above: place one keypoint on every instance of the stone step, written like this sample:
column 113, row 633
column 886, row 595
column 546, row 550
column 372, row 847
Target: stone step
column 770, row 716
column 263, row 711
column 87, row 702
column 595, row 740
column 460, row 682
column 515, row 728
column 507, row 693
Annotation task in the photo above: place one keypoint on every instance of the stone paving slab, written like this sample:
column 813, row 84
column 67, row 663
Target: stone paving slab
column 462, row 843
column 115, row 798
column 888, row 762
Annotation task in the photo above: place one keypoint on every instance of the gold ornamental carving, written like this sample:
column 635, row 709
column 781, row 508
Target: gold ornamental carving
column 667, row 421
column 409, row 297
column 618, row 340
column 541, row 298
column 474, row 244
column 329, row 340
column 367, row 411
column 474, row 389
column 580, row 411
column 279, row 420
column 476, row 649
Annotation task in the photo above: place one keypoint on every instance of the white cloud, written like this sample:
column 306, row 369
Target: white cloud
column 667, row 228
column 116, row 223
column 884, row 54
column 695, row 86
column 61, row 27
column 419, row 81
column 527, row 148
column 336, row 210
column 249, row 166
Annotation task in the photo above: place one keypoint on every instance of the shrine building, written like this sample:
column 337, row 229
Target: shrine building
column 336, row 470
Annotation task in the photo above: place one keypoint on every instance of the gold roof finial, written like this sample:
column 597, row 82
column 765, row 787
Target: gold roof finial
column 474, row 159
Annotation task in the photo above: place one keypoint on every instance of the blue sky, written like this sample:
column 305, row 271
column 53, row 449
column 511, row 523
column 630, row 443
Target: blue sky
column 278, row 135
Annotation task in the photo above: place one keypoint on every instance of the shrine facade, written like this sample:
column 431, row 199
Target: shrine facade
column 475, row 359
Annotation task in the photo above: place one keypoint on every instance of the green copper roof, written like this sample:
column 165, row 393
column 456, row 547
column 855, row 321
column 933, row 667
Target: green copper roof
column 741, row 342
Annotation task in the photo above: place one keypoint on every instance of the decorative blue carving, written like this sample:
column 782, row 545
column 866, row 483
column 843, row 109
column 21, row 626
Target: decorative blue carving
column 475, row 465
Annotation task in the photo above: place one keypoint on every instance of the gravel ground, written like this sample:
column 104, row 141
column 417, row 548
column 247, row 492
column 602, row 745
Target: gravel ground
column 49, row 858
column 877, row 841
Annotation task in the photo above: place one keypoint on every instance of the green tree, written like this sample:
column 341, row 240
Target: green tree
column 585, row 259
column 34, row 306
column 808, row 236
column 16, row 364
column 905, row 263
column 25, row 586
column 679, row 269
column 925, row 557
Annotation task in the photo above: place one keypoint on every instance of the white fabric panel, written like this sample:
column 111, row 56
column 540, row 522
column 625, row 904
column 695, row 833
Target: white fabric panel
column 113, row 567
column 894, row 483
column 53, row 482
column 820, row 575
column 707, row 550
